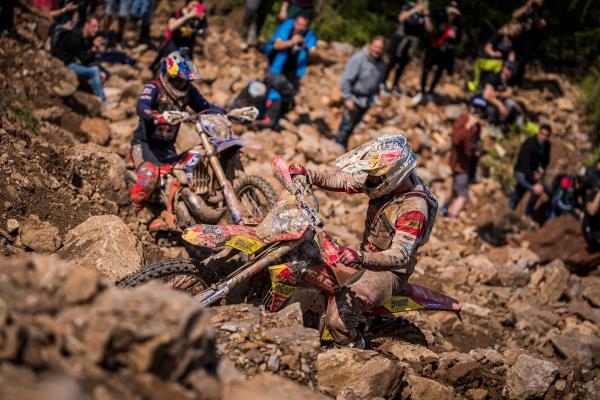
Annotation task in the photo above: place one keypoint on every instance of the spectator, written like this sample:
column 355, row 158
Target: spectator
column 532, row 17
column 414, row 20
column 495, row 90
column 566, row 191
column 495, row 51
column 360, row 84
column 293, row 8
column 121, row 9
column 144, row 10
column 466, row 149
column 7, row 17
column 591, row 218
column 74, row 49
column 530, row 169
column 288, row 51
column 182, row 28
column 257, row 10
column 446, row 35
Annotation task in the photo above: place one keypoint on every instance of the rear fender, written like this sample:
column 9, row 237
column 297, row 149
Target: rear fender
column 415, row 297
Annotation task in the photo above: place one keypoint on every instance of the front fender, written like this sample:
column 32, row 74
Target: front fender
column 238, row 143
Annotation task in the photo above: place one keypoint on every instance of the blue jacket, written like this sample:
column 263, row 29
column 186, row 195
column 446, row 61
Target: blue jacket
column 279, row 57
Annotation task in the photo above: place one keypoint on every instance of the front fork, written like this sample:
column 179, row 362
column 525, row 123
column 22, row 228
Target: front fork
column 214, row 294
column 231, row 199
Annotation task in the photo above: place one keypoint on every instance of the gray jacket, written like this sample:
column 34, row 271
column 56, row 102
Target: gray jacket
column 361, row 78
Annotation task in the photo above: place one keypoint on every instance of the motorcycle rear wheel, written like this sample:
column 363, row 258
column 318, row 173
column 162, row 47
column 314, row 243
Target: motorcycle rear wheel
column 256, row 196
column 179, row 274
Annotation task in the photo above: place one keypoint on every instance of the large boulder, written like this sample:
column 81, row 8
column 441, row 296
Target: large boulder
column 97, row 130
column 70, row 327
column 270, row 387
column 39, row 236
column 529, row 378
column 580, row 348
column 348, row 373
column 104, row 243
column 425, row 389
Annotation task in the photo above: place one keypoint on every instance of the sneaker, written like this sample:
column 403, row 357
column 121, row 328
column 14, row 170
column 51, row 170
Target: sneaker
column 429, row 98
column 244, row 46
column 416, row 100
column 396, row 91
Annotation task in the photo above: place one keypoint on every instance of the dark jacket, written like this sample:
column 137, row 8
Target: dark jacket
column 74, row 48
column 532, row 156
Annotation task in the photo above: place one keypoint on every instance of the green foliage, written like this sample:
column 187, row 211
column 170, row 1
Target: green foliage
column 590, row 86
column 31, row 122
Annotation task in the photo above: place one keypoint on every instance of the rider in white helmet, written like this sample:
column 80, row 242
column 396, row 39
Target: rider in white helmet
column 399, row 220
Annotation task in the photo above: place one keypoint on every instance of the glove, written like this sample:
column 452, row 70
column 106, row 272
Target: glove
column 245, row 114
column 158, row 118
column 175, row 117
column 351, row 257
column 297, row 169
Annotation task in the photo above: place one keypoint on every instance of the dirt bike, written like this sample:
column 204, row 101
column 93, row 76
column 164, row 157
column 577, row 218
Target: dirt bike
column 216, row 184
column 302, row 261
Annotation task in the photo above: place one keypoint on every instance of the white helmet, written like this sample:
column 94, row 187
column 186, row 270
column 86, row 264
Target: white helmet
column 388, row 157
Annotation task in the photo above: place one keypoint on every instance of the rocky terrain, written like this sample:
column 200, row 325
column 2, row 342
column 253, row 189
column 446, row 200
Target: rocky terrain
column 531, row 297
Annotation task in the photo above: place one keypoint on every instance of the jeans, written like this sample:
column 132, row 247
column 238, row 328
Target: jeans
column 93, row 74
column 349, row 120
column 521, row 188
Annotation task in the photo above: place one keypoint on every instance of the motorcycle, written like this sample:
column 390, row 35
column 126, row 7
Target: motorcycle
column 302, row 261
column 216, row 184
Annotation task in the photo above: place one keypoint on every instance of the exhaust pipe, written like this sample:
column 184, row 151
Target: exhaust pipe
column 200, row 209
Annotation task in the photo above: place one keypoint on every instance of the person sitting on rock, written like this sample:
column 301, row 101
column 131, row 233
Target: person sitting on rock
column 360, row 84
column 399, row 219
column 75, row 47
column 495, row 51
column 566, row 193
column 183, row 27
column 495, row 90
column 288, row 51
column 153, row 143
column 530, row 168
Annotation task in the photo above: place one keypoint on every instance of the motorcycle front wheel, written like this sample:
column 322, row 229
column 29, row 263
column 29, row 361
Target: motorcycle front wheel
column 177, row 273
column 256, row 196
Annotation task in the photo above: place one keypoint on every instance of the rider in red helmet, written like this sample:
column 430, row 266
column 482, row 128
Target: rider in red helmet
column 399, row 220
column 153, row 144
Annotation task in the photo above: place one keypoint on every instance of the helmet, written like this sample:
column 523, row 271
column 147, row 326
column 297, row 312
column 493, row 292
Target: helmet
column 388, row 157
column 179, row 65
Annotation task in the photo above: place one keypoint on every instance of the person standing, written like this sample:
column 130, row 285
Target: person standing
column 446, row 35
column 257, row 10
column 414, row 20
column 362, row 76
column 533, row 18
column 465, row 151
column 530, row 168
column 293, row 8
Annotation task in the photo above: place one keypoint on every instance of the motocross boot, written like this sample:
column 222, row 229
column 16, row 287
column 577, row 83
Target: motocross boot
column 165, row 222
column 167, row 219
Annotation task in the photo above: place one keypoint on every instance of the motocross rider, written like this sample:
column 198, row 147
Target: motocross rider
column 399, row 220
column 159, row 108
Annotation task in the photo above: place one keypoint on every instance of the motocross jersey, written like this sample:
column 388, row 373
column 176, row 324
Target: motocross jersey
column 160, row 139
column 396, row 224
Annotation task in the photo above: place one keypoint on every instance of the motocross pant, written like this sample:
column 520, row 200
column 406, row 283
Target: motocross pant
column 148, row 170
column 349, row 306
